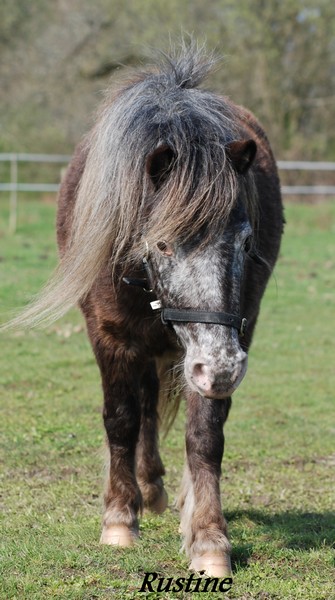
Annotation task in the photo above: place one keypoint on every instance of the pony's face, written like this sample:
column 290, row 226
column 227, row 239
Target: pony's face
column 207, row 276
column 205, row 273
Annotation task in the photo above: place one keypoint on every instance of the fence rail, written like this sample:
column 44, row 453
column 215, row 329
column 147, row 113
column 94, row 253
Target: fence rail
column 29, row 187
column 14, row 186
column 46, row 158
column 305, row 165
column 308, row 190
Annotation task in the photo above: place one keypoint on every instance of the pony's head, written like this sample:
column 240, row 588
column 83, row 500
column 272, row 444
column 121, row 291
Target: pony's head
column 198, row 276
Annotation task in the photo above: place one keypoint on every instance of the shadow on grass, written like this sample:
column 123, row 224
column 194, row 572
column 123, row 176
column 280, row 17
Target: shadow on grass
column 290, row 529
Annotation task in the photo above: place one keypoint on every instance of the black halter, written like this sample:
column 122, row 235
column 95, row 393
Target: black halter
column 176, row 315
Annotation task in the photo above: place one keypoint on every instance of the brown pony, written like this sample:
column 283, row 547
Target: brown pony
column 169, row 225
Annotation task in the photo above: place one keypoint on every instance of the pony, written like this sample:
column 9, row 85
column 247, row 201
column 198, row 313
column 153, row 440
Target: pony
column 169, row 226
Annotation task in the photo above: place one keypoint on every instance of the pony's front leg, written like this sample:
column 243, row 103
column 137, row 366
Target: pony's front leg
column 149, row 466
column 202, row 523
column 121, row 416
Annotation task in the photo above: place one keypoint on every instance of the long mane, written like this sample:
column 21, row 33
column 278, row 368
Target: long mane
column 117, row 206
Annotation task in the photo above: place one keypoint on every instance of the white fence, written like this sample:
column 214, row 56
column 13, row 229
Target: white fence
column 14, row 186
column 314, row 190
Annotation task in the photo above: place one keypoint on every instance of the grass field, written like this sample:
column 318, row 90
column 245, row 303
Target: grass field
column 278, row 471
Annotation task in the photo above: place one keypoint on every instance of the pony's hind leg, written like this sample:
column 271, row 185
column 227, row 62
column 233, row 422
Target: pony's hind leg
column 149, row 467
column 202, row 523
column 121, row 414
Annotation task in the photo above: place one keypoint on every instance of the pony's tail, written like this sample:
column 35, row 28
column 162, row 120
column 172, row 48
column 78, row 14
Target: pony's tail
column 170, row 393
column 84, row 256
column 63, row 291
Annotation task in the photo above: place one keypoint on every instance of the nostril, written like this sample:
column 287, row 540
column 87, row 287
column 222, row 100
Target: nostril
column 198, row 369
column 201, row 376
column 240, row 367
column 236, row 372
column 241, row 356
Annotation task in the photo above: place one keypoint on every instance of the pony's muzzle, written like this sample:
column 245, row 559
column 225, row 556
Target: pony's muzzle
column 217, row 382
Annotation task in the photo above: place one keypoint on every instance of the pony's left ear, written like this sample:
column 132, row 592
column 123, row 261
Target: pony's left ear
column 159, row 164
column 242, row 154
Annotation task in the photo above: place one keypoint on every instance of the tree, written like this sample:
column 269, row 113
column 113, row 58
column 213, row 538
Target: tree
column 57, row 57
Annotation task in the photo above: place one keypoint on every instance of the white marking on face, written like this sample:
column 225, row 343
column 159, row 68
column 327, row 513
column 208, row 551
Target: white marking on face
column 209, row 279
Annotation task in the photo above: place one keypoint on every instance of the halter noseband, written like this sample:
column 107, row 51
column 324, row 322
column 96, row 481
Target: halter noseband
column 176, row 315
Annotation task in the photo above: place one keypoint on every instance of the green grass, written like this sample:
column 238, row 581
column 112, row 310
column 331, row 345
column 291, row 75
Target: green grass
column 278, row 471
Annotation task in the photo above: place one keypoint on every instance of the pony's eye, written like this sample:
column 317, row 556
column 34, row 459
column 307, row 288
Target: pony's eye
column 164, row 248
column 247, row 246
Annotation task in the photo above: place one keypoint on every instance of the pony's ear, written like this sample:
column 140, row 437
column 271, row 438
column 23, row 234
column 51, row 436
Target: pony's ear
column 242, row 154
column 159, row 164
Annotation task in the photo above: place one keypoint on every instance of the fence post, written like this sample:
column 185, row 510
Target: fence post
column 13, row 194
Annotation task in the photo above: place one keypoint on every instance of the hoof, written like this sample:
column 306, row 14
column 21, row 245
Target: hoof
column 160, row 505
column 118, row 535
column 214, row 565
